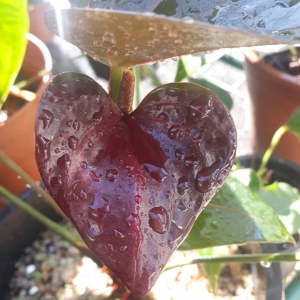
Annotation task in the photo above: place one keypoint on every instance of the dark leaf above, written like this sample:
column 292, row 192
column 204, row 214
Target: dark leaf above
column 279, row 17
column 126, row 39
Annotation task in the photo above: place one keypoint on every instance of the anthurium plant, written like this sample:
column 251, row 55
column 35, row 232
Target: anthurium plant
column 138, row 184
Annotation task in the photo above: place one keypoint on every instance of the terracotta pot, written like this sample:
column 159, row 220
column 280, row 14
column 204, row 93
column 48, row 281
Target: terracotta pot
column 274, row 96
column 17, row 133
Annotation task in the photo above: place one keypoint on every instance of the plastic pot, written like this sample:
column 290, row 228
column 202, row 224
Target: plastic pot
column 19, row 230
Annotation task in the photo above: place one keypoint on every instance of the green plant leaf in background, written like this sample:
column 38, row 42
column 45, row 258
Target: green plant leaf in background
column 285, row 201
column 213, row 270
column 187, row 65
column 14, row 24
column 224, row 95
column 235, row 216
column 248, row 177
column 293, row 123
column 150, row 72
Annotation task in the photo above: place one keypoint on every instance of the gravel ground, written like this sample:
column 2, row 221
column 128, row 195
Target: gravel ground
column 51, row 269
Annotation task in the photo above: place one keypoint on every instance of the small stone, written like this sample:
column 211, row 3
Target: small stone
column 33, row 290
column 30, row 269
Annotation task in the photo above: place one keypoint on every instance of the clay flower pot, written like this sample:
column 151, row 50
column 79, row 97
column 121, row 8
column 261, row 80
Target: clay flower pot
column 274, row 96
column 17, row 133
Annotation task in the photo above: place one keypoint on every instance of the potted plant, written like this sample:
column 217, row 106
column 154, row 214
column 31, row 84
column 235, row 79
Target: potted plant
column 274, row 92
column 79, row 128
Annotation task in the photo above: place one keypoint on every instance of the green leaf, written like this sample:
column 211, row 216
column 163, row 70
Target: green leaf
column 213, row 269
column 181, row 71
column 285, row 200
column 293, row 123
column 187, row 65
column 235, row 216
column 142, row 38
column 265, row 16
column 224, row 95
column 248, row 177
column 150, row 73
column 14, row 24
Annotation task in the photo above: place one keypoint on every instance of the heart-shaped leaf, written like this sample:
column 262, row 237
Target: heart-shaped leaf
column 133, row 185
column 14, row 25
column 236, row 216
column 224, row 95
column 127, row 39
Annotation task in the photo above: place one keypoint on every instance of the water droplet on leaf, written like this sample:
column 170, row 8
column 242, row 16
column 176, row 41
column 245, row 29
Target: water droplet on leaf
column 73, row 142
column 158, row 219
column 76, row 125
column 159, row 174
column 64, row 162
column 175, row 132
column 112, row 175
column 183, row 185
column 47, row 118
column 138, row 199
column 95, row 177
column 118, row 234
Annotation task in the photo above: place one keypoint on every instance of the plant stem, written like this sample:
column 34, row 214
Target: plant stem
column 125, row 295
column 137, row 94
column 15, row 168
column 293, row 50
column 22, row 94
column 32, row 79
column 58, row 229
column 275, row 140
column 150, row 73
column 126, row 92
column 245, row 258
column 115, row 78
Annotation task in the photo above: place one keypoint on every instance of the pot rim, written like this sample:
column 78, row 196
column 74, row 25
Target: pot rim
column 252, row 59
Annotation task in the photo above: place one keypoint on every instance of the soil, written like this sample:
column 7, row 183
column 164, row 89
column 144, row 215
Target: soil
column 52, row 269
column 285, row 62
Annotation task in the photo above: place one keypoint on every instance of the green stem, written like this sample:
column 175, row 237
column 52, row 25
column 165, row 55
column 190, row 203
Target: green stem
column 115, row 79
column 58, row 229
column 275, row 140
column 137, row 94
column 293, row 50
column 15, row 168
column 149, row 71
column 23, row 83
column 245, row 258
column 32, row 79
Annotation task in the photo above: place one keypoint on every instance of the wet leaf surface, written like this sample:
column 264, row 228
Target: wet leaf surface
column 133, row 184
column 284, row 199
column 293, row 123
column 126, row 39
column 279, row 17
column 235, row 216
